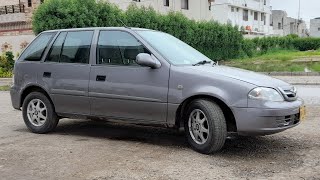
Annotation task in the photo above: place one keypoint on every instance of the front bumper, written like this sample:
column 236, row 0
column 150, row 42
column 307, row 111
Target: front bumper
column 266, row 121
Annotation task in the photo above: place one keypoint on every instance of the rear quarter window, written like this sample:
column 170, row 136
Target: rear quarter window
column 35, row 50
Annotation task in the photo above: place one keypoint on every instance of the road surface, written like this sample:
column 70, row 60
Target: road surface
column 82, row 149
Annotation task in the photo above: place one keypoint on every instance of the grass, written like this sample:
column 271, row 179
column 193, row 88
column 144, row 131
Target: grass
column 4, row 88
column 279, row 61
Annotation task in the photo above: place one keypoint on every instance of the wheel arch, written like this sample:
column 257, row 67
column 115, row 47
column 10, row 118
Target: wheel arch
column 33, row 88
column 230, row 119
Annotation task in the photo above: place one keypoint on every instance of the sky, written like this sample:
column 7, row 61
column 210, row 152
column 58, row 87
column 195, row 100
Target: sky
column 309, row 8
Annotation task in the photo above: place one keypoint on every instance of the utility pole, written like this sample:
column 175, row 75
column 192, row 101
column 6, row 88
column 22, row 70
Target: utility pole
column 299, row 11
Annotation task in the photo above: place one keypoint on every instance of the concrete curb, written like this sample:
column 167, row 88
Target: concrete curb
column 291, row 73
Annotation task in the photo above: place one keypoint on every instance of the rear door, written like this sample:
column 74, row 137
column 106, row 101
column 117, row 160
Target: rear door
column 120, row 88
column 66, row 70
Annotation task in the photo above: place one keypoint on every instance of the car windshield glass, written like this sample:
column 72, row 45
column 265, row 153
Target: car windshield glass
column 173, row 49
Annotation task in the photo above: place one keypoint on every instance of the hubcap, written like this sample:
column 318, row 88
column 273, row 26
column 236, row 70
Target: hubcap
column 37, row 112
column 198, row 126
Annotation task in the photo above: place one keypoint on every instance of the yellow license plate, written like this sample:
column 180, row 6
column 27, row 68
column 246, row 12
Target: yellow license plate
column 303, row 113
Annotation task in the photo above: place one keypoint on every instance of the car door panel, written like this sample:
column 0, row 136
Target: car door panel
column 66, row 72
column 134, row 93
column 127, row 90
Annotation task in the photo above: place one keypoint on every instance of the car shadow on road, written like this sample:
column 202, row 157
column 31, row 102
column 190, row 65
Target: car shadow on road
column 236, row 146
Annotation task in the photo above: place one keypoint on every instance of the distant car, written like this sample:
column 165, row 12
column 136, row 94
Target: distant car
column 148, row 77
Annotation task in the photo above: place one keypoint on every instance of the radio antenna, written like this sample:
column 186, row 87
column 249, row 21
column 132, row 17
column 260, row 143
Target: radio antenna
column 122, row 23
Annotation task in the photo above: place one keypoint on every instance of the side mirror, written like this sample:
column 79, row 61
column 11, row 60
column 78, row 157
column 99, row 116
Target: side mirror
column 144, row 59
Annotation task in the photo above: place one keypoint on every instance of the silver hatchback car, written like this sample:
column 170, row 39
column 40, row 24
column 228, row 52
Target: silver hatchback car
column 143, row 76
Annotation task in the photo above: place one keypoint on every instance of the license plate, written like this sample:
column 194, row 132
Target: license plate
column 302, row 113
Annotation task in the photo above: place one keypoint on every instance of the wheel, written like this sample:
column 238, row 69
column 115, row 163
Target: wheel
column 205, row 126
column 38, row 113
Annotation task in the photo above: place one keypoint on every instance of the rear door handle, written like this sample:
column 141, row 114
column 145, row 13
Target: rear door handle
column 101, row 78
column 47, row 74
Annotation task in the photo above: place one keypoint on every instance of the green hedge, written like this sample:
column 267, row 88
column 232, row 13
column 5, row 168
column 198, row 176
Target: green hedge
column 215, row 40
column 265, row 44
column 6, row 64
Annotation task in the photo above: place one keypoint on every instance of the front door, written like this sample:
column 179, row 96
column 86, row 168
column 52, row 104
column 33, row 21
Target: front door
column 119, row 88
column 66, row 72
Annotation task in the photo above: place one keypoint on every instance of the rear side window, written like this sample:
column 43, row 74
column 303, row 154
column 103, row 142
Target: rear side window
column 35, row 51
column 55, row 51
column 76, row 47
column 71, row 47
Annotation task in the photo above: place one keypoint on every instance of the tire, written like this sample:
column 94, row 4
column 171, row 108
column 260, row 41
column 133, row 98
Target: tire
column 39, row 126
column 215, row 126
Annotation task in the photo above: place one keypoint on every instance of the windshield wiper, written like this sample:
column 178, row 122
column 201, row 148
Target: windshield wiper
column 202, row 63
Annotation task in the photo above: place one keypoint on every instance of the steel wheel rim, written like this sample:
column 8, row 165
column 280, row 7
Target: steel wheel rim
column 37, row 112
column 198, row 126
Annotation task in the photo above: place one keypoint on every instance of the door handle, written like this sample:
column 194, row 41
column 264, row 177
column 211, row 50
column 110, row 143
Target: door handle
column 101, row 78
column 47, row 74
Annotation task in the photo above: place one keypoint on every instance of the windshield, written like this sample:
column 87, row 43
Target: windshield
column 173, row 49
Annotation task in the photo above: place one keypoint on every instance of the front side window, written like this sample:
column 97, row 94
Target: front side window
column 118, row 48
column 173, row 49
column 76, row 47
column 36, row 49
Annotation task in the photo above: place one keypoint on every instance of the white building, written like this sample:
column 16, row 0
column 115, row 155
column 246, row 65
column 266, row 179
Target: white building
column 193, row 9
column 315, row 27
column 252, row 16
column 284, row 25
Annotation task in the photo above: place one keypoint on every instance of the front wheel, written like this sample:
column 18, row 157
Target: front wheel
column 38, row 113
column 205, row 126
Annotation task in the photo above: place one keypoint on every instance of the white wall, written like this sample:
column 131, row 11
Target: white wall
column 222, row 13
column 315, row 27
column 15, row 42
column 198, row 9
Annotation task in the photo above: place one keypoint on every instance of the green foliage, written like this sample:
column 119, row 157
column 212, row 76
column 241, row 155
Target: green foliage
column 259, row 46
column 215, row 40
column 6, row 64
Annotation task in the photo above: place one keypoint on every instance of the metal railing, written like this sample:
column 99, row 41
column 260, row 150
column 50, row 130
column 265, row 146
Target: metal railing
column 10, row 9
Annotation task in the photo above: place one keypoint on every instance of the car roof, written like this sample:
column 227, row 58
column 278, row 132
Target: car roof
column 100, row 28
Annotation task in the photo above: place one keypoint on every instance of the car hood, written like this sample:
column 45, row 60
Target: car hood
column 241, row 75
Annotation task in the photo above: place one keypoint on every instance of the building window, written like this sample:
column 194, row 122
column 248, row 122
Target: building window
column 256, row 16
column 29, row 3
column 166, row 3
column 237, row 9
column 232, row 9
column 279, row 26
column 136, row 0
column 262, row 16
column 318, row 29
column 184, row 4
column 245, row 15
column 265, row 2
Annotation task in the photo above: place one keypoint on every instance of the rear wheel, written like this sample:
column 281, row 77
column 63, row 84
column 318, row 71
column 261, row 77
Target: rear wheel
column 38, row 113
column 205, row 126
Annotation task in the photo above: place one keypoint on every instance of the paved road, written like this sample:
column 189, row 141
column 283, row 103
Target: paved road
column 81, row 149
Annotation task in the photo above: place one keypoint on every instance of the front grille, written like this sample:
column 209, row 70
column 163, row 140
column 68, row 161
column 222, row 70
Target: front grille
column 289, row 93
column 284, row 121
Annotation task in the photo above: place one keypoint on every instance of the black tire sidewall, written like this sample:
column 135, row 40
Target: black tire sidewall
column 52, row 119
column 209, row 146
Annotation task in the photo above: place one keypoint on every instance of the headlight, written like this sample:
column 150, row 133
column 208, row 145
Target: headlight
column 267, row 94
